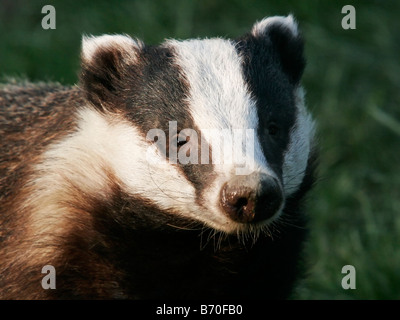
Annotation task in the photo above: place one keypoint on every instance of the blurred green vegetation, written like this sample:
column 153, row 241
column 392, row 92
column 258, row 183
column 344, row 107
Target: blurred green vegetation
column 353, row 89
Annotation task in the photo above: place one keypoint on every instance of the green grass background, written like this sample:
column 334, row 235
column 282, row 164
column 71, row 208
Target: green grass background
column 353, row 89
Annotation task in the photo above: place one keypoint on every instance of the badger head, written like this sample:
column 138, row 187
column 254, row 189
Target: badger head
column 211, row 130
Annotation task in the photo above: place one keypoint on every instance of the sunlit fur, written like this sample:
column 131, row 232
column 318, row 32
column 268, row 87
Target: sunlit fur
column 80, row 194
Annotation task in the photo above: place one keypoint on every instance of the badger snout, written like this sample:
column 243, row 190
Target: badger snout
column 251, row 198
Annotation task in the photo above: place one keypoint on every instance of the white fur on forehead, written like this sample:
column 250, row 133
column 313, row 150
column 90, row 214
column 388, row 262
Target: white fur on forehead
column 289, row 22
column 91, row 44
column 219, row 96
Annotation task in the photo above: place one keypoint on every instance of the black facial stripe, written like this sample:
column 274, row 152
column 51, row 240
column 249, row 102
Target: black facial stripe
column 158, row 92
column 273, row 92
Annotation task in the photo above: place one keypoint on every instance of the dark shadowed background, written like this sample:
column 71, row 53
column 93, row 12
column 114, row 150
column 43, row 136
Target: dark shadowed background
column 352, row 81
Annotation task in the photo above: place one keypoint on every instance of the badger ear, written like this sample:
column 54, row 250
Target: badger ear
column 105, row 61
column 284, row 36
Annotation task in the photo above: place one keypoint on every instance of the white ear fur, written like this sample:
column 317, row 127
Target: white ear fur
column 90, row 44
column 288, row 22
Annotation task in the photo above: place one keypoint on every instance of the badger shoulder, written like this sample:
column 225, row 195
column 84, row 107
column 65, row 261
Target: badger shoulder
column 39, row 195
column 32, row 115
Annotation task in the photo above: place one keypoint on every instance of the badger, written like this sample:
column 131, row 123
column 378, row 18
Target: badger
column 122, row 213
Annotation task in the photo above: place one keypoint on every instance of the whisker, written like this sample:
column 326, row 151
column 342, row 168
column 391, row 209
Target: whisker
column 181, row 227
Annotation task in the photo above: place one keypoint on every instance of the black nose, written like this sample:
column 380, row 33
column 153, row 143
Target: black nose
column 251, row 198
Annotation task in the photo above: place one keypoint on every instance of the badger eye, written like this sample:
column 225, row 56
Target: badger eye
column 273, row 129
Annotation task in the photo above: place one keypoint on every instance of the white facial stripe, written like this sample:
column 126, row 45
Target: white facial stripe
column 124, row 149
column 219, row 98
column 301, row 138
